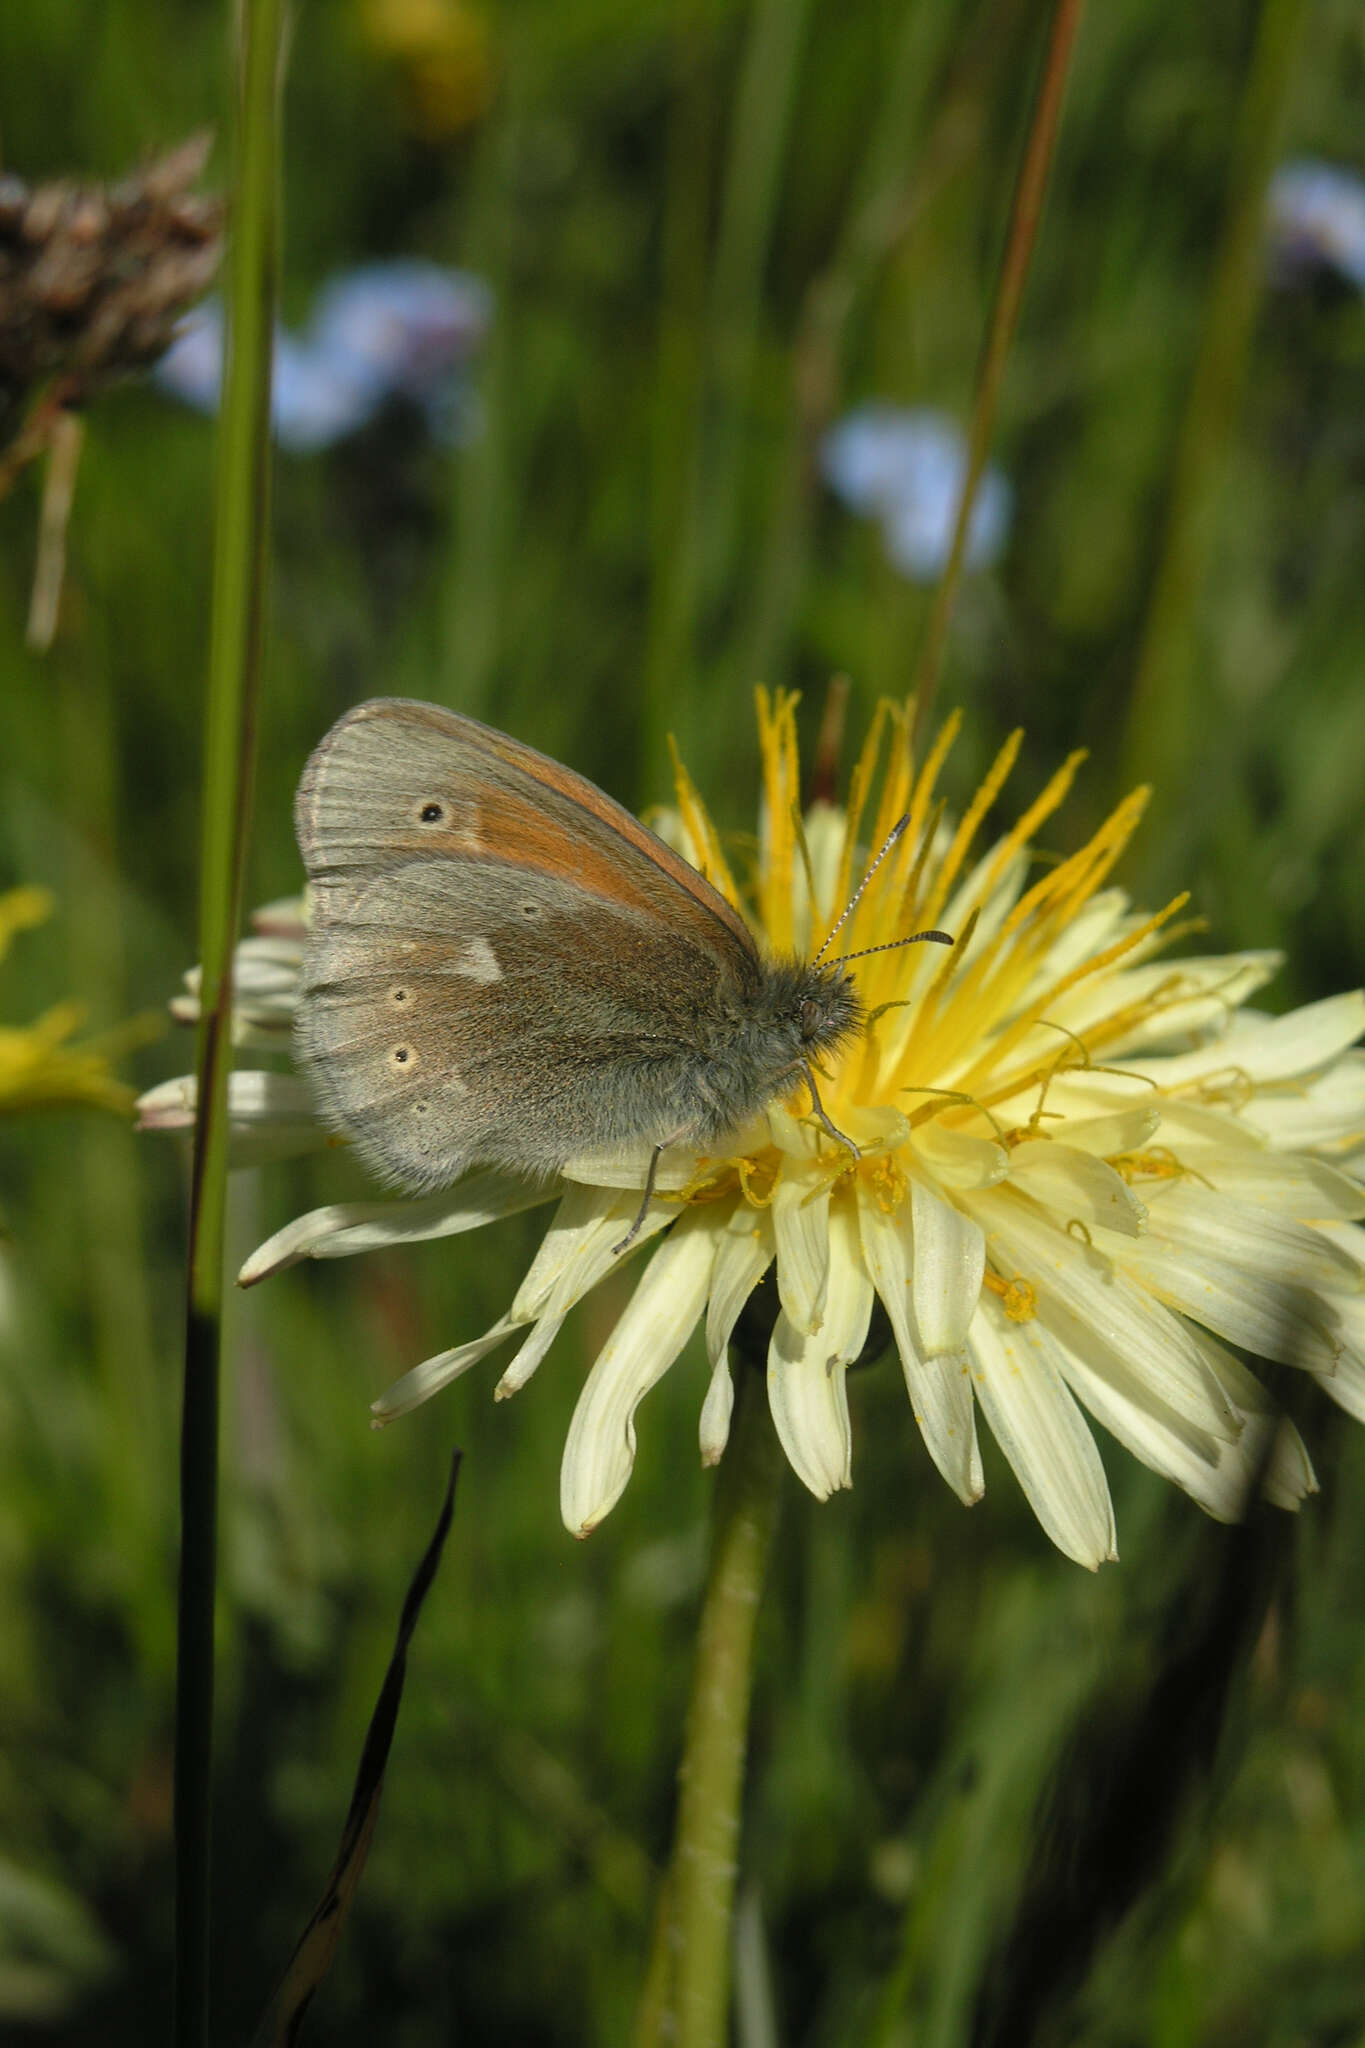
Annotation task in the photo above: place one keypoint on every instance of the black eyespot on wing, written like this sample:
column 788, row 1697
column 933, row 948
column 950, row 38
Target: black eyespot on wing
column 528, row 909
column 431, row 814
column 402, row 1059
column 398, row 996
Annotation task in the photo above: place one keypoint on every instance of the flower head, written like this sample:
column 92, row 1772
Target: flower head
column 93, row 279
column 907, row 468
column 398, row 330
column 1316, row 222
column 1089, row 1176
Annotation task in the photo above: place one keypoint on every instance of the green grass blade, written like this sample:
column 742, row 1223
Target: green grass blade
column 239, row 578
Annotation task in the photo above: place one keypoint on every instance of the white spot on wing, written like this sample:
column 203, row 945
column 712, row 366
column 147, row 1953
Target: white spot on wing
column 479, row 962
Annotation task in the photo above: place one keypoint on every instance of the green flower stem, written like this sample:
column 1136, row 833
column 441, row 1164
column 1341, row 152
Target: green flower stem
column 1029, row 193
column 687, row 1996
column 241, row 519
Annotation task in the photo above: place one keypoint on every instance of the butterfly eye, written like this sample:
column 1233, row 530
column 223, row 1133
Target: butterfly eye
column 810, row 1018
column 431, row 814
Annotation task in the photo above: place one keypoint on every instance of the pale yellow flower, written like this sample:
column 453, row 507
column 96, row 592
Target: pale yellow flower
column 39, row 1069
column 1090, row 1176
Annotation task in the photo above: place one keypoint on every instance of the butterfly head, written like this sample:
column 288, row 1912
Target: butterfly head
column 811, row 1008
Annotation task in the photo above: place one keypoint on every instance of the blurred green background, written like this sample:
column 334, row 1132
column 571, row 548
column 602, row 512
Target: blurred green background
column 710, row 228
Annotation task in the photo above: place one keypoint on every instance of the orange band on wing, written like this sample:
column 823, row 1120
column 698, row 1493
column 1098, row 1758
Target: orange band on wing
column 613, row 885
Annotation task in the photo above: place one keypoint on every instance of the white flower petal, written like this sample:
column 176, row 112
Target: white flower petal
column 1289, row 1477
column 528, row 1357
column 1110, row 1321
column 270, row 1115
column 1196, row 1220
column 998, row 904
column 809, row 1403
column 744, row 1252
column 628, row 1167
column 1291, row 1183
column 1081, row 1092
column 1218, row 1475
column 1326, row 1112
column 1127, row 1130
column 800, row 1219
column 1085, row 934
column 1345, row 1382
column 1265, row 1316
column 660, row 1316
column 580, row 1246
column 949, row 1260
column 940, row 1392
column 434, row 1373
column 344, row 1228
column 253, row 1097
column 265, row 992
column 958, row 1159
column 1267, row 1049
column 284, row 918
column 714, row 1429
column 1349, row 1238
column 1037, row 1424
column 1274, row 1446
column 806, row 1372
column 1075, row 1184
column 1187, row 1124
column 1192, row 995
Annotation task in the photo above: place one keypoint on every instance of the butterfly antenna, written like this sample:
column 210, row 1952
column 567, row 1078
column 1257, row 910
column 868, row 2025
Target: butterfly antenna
column 856, row 898
column 894, row 945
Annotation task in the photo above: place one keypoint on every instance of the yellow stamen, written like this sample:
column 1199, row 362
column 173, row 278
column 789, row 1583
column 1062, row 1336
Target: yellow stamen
column 1051, row 799
column 914, row 881
column 999, row 1049
column 781, row 791
column 887, row 1181
column 1018, row 1297
column 1158, row 1164
column 752, row 1175
column 705, row 839
column 1078, row 877
column 928, row 775
column 995, row 779
column 859, row 785
column 952, row 1098
column 895, row 796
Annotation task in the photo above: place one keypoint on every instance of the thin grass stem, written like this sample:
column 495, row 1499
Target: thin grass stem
column 241, row 514
column 1025, row 215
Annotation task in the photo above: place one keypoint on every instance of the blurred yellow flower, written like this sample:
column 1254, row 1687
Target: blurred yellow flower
column 442, row 49
column 38, row 1069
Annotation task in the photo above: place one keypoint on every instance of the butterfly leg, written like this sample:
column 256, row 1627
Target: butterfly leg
column 820, row 1114
column 638, row 1225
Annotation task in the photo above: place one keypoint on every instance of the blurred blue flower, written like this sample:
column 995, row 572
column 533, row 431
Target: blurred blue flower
column 1316, row 221
column 388, row 330
column 907, row 467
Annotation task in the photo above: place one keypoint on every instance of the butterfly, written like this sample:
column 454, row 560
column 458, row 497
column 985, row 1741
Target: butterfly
column 505, row 968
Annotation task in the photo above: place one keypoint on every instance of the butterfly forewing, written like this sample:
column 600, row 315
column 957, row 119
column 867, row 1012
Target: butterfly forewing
column 396, row 779
column 473, row 905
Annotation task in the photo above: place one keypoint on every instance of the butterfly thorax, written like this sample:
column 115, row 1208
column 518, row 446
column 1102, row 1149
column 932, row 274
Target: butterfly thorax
column 757, row 1041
